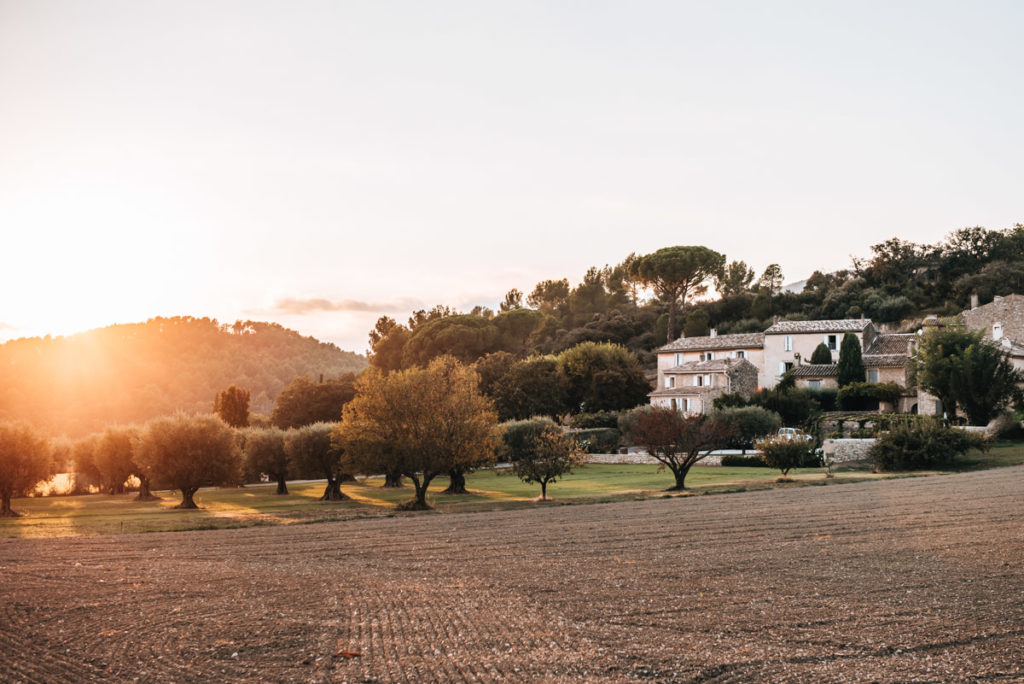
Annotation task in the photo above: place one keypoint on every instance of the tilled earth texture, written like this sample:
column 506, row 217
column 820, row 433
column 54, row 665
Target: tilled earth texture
column 901, row 580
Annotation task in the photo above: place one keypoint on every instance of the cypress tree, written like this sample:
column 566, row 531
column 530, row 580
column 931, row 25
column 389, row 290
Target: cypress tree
column 851, row 365
column 821, row 354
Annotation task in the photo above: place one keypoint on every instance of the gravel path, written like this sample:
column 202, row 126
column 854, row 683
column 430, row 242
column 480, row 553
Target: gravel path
column 899, row 580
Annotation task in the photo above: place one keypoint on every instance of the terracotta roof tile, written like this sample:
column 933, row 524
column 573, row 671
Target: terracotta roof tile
column 838, row 325
column 739, row 341
column 816, row 370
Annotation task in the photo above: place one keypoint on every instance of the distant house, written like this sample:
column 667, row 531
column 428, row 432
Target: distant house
column 749, row 346
column 1002, row 321
column 787, row 343
column 692, row 386
column 816, row 376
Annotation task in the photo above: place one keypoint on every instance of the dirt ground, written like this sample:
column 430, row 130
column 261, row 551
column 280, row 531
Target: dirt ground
column 900, row 580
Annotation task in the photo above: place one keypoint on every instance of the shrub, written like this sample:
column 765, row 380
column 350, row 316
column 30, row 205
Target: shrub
column 864, row 396
column 597, row 440
column 821, row 354
column 785, row 454
column 825, row 396
column 737, row 461
column 519, row 436
column 921, row 444
column 600, row 419
column 747, row 424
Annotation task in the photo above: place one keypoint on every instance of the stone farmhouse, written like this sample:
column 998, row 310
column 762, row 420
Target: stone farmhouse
column 693, row 371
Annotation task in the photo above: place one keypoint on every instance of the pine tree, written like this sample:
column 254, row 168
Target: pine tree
column 851, row 365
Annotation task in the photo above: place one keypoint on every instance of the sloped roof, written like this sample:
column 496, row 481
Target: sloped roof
column 888, row 350
column 739, row 341
column 815, row 370
column 713, row 366
column 830, row 326
column 891, row 343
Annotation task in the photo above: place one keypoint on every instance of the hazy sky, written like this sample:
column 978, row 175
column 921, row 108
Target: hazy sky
column 321, row 163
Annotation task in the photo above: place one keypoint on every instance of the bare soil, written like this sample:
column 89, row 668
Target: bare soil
column 901, row 580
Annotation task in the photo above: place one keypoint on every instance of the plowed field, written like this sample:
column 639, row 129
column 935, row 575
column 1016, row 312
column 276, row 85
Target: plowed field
column 917, row 579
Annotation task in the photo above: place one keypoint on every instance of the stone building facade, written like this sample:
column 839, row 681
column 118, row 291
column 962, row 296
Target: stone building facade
column 692, row 386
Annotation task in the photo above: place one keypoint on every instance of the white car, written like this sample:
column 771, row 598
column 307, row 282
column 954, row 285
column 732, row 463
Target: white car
column 793, row 433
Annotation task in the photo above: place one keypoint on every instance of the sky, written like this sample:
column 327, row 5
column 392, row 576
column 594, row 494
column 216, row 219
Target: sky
column 320, row 164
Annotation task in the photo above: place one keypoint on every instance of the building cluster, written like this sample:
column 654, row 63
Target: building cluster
column 693, row 371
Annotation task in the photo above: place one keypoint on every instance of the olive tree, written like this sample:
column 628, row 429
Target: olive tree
column 310, row 448
column 420, row 422
column 25, row 461
column 265, row 454
column 189, row 452
column 549, row 454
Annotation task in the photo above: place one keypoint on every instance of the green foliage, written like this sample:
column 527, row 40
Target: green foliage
column 851, row 365
column 865, row 396
column 548, row 455
column 967, row 372
column 825, row 397
column 310, row 449
column 597, row 440
column 696, row 323
column 127, row 374
column 535, row 386
column 25, row 461
column 463, row 336
column 602, row 377
column 735, row 279
column 518, row 436
column 785, row 454
column 674, row 273
column 420, row 423
column 189, row 452
column 747, row 424
column 232, row 405
column 265, row 454
column 821, row 354
column 740, row 461
column 795, row 406
column 921, row 444
column 305, row 402
column 601, row 419
column 771, row 280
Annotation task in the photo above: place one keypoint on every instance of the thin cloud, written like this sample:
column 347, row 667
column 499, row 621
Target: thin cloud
column 301, row 307
column 6, row 326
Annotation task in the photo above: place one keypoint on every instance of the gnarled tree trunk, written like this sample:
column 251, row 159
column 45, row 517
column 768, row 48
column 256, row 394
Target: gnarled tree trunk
column 332, row 492
column 393, row 478
column 5, row 506
column 145, row 494
column 187, row 502
column 419, row 501
column 282, row 485
column 457, row 484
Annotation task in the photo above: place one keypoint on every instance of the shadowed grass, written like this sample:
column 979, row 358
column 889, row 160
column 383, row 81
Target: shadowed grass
column 488, row 490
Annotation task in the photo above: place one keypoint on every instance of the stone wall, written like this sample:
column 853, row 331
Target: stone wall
column 639, row 456
column 847, row 450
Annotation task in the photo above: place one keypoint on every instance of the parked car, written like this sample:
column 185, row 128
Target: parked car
column 793, row 433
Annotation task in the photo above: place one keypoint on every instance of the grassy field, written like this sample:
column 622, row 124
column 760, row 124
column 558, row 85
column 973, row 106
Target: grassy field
column 258, row 505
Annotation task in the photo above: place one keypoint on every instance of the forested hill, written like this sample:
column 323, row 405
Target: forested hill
column 130, row 373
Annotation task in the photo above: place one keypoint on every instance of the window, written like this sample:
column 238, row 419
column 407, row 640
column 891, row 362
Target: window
column 707, row 356
column 832, row 342
column 787, row 343
column 814, row 384
column 675, row 404
column 785, row 366
column 873, row 375
column 672, row 381
column 707, row 381
column 679, row 359
column 739, row 354
column 686, row 405
column 711, row 356
column 997, row 331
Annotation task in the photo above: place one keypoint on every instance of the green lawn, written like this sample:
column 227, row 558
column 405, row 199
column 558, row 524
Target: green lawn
column 489, row 490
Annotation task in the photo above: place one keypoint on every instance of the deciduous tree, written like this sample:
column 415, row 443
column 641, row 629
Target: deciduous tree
column 602, row 377
column 232, row 405
column 24, row 463
column 189, row 452
column 678, row 441
column 304, row 402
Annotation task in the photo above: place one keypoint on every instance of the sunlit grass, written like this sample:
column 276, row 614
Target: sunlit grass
column 488, row 490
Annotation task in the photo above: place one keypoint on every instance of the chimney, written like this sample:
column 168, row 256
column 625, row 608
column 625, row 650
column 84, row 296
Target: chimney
column 974, row 300
column 714, row 332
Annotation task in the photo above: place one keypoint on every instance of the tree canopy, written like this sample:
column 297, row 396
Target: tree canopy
column 676, row 273
column 188, row 452
column 24, row 462
column 232, row 405
column 851, row 363
column 305, row 402
column 420, row 422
